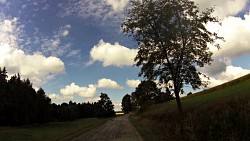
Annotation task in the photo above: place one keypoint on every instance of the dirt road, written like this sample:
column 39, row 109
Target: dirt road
column 117, row 129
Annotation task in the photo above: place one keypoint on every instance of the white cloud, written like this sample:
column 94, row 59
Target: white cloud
column 116, row 55
column 38, row 68
column 229, row 74
column 98, row 12
column 117, row 5
column 59, row 98
column 236, row 32
column 73, row 89
column 133, row 83
column 223, row 8
column 117, row 105
column 108, row 83
column 65, row 30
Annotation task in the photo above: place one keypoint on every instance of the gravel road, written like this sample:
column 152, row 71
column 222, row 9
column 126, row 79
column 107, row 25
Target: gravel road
column 117, row 129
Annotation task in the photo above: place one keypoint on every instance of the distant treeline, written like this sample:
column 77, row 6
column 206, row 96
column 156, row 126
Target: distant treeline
column 20, row 104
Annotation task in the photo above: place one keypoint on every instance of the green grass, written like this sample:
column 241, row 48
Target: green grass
column 224, row 106
column 238, row 87
column 146, row 134
column 55, row 131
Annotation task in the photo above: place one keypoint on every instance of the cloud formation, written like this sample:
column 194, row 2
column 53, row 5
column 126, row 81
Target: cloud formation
column 223, row 8
column 108, row 83
column 73, row 89
column 133, row 83
column 112, row 55
column 103, row 11
column 38, row 68
column 236, row 32
column 89, row 93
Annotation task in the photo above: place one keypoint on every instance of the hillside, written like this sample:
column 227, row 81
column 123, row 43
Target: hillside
column 218, row 113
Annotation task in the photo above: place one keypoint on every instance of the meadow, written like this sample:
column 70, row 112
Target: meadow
column 54, row 131
column 219, row 113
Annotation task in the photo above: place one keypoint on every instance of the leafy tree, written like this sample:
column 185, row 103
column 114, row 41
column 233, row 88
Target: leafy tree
column 173, row 41
column 145, row 94
column 43, row 105
column 126, row 104
column 105, row 106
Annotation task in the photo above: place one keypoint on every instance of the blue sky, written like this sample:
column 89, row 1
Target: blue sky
column 75, row 49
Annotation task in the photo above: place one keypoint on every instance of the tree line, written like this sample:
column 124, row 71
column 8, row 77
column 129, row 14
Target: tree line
column 146, row 94
column 21, row 104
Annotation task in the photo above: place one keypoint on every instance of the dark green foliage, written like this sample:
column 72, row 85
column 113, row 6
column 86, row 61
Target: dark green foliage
column 147, row 94
column 172, row 40
column 20, row 104
column 126, row 104
column 104, row 107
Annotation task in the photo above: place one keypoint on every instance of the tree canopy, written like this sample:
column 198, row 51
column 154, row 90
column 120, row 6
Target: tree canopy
column 173, row 41
column 126, row 104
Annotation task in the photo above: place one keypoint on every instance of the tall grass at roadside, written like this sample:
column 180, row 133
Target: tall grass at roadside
column 145, row 132
column 227, row 120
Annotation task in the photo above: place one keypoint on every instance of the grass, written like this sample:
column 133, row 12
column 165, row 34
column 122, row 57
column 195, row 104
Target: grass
column 146, row 134
column 238, row 87
column 55, row 131
column 218, row 113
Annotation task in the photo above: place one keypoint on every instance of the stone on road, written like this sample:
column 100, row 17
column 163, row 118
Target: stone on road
column 117, row 129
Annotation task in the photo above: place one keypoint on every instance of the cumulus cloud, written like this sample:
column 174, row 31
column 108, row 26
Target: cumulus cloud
column 108, row 83
column 73, row 89
column 229, row 74
column 223, row 8
column 236, row 32
column 38, row 68
column 116, row 55
column 89, row 92
column 133, row 83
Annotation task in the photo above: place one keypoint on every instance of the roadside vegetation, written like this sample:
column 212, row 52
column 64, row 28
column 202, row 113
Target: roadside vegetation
column 219, row 113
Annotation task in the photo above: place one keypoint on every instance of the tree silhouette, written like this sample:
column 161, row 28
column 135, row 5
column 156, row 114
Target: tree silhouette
column 173, row 41
column 145, row 95
column 126, row 104
column 105, row 107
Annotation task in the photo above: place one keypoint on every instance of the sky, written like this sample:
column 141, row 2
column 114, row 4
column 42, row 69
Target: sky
column 75, row 49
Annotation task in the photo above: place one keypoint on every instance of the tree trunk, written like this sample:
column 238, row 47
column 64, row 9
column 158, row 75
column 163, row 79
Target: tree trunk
column 178, row 102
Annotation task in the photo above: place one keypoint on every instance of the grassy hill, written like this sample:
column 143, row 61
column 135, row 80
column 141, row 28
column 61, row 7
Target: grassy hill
column 218, row 113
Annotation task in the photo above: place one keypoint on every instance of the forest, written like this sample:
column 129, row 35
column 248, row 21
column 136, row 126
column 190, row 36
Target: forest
column 21, row 104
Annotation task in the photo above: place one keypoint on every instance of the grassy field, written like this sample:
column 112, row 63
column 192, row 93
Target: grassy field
column 55, row 131
column 219, row 113
column 238, row 87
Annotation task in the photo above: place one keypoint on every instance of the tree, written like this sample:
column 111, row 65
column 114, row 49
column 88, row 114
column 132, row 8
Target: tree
column 105, row 106
column 173, row 41
column 145, row 94
column 126, row 104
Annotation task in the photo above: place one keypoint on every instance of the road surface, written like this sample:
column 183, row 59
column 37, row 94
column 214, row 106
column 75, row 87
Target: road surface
column 117, row 129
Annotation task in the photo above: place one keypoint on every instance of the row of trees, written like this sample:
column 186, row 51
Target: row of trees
column 146, row 94
column 20, row 104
